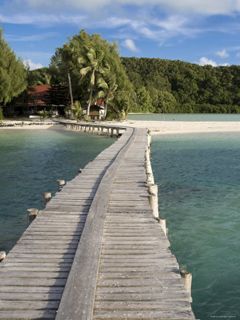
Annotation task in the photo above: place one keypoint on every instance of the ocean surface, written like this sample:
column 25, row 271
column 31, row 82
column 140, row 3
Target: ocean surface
column 199, row 195
column 30, row 163
column 184, row 117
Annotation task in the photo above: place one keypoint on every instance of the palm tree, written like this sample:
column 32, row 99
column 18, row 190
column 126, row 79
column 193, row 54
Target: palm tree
column 107, row 88
column 92, row 64
column 77, row 110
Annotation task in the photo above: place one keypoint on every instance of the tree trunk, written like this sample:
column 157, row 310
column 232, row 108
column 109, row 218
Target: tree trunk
column 89, row 102
column 106, row 108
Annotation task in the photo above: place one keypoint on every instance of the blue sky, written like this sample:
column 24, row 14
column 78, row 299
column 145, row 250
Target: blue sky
column 198, row 31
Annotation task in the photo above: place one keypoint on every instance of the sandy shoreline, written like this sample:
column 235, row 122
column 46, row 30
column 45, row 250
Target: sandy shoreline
column 19, row 125
column 183, row 127
column 156, row 127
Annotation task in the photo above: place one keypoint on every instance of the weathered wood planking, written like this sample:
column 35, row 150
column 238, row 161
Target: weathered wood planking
column 138, row 277
column 34, row 274
column 96, row 249
column 123, row 268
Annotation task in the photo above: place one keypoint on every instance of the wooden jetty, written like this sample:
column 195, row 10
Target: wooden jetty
column 96, row 252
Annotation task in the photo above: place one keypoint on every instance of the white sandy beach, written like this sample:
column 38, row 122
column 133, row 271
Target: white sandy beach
column 181, row 127
column 17, row 125
column 156, row 127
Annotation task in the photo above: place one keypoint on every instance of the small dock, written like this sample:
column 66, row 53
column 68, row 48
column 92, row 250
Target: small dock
column 98, row 250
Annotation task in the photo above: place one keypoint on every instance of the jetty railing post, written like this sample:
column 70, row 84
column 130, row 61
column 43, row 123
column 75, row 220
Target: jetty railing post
column 152, row 188
column 187, row 281
column 61, row 184
column 149, row 139
column 153, row 192
column 32, row 214
column 150, row 177
column 47, row 197
column 163, row 224
column 2, row 255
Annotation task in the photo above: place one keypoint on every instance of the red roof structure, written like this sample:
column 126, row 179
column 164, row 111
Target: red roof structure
column 100, row 102
column 39, row 95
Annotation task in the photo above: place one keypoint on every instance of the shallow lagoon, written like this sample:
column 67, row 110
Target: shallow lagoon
column 30, row 163
column 199, row 183
column 184, row 117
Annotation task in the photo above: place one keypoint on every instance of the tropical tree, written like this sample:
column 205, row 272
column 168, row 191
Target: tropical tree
column 95, row 68
column 108, row 88
column 92, row 64
column 38, row 76
column 77, row 110
column 12, row 73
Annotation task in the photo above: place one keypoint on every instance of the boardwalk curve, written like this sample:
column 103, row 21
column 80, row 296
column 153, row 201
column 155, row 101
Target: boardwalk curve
column 96, row 251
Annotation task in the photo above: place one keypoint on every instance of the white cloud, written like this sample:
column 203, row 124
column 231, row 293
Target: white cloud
column 222, row 54
column 32, row 65
column 39, row 19
column 130, row 44
column 205, row 61
column 31, row 38
column 205, row 7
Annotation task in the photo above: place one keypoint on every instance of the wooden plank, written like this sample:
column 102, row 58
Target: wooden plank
column 32, row 282
column 143, row 315
column 24, row 314
column 32, row 290
column 142, row 305
column 28, row 305
column 39, row 296
column 34, row 274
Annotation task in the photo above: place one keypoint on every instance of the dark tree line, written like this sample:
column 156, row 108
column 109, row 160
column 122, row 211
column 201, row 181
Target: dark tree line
column 176, row 86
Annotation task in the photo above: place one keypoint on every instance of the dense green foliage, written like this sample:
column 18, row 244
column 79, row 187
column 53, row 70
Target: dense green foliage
column 127, row 84
column 175, row 86
column 12, row 73
column 38, row 76
column 95, row 70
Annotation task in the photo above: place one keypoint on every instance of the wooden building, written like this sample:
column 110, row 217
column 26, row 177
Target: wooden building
column 98, row 110
column 51, row 98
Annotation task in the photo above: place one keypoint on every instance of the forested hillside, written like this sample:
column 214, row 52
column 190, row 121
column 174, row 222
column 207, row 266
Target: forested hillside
column 176, row 86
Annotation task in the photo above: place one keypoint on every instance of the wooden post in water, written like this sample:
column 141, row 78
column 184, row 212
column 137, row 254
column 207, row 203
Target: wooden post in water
column 149, row 137
column 150, row 177
column 187, row 280
column 47, row 197
column 61, row 183
column 32, row 214
column 2, row 255
column 153, row 192
column 163, row 225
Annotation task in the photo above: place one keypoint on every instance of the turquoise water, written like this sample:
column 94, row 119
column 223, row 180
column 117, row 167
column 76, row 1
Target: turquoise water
column 199, row 183
column 30, row 163
column 184, row 117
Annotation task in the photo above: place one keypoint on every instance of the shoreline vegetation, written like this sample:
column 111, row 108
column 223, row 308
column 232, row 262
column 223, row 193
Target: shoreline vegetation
column 87, row 73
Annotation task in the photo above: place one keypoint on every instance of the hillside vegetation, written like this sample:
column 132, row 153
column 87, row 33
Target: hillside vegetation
column 176, row 86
